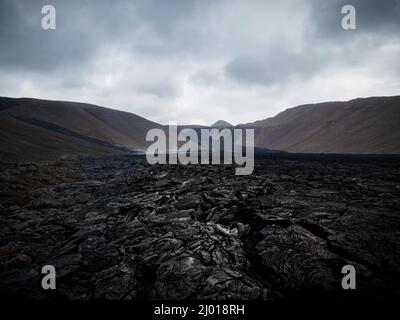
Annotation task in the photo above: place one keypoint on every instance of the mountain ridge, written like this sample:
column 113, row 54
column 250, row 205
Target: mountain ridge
column 70, row 127
column 361, row 125
column 39, row 129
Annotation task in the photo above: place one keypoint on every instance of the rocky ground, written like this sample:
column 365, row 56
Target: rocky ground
column 118, row 228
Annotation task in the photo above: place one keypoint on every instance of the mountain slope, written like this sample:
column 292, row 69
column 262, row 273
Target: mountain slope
column 367, row 125
column 110, row 125
column 23, row 141
column 34, row 129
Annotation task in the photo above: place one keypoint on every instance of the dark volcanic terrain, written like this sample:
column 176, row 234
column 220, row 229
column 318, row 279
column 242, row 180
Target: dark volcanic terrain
column 118, row 228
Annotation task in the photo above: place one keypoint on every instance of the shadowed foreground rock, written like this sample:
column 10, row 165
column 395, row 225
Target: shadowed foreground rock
column 118, row 228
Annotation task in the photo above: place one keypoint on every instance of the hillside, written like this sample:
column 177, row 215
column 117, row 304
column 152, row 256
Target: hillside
column 23, row 141
column 33, row 129
column 365, row 125
column 39, row 129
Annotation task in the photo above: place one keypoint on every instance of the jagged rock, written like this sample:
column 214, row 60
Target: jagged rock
column 295, row 257
column 188, row 202
column 8, row 249
column 118, row 228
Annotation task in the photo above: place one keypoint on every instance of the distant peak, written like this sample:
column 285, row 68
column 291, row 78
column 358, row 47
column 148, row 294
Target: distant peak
column 221, row 123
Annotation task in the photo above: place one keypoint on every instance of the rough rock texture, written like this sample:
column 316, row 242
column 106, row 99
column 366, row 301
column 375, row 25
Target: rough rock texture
column 118, row 228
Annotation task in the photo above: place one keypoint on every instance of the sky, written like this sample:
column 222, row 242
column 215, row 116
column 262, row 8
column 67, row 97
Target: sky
column 198, row 61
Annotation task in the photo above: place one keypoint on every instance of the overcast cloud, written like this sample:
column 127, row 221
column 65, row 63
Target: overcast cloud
column 200, row 61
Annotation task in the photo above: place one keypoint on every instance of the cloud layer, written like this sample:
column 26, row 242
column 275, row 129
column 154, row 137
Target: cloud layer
column 199, row 61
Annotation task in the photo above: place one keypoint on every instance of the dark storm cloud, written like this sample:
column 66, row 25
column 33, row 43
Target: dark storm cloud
column 151, row 27
column 376, row 20
column 248, row 69
column 179, row 58
column 272, row 68
column 27, row 46
column 373, row 17
column 162, row 28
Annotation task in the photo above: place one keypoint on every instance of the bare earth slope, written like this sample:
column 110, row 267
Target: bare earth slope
column 368, row 125
column 35, row 129
column 23, row 141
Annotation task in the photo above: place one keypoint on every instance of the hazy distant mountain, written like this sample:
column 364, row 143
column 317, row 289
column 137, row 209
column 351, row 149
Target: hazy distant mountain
column 36, row 129
column 221, row 124
column 368, row 125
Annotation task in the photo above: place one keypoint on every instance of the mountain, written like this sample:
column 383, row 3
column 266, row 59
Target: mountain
column 364, row 125
column 41, row 129
column 34, row 129
column 23, row 141
column 221, row 124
